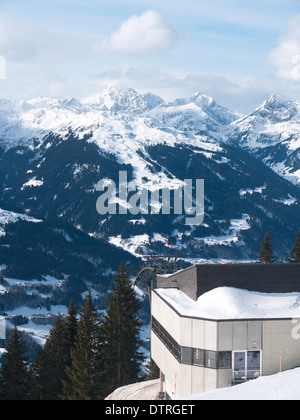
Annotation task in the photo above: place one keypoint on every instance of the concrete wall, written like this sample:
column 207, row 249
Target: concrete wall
column 239, row 335
column 166, row 317
column 185, row 280
column 266, row 278
column 280, row 335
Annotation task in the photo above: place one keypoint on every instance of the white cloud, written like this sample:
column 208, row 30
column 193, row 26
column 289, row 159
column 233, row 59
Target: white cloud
column 286, row 57
column 147, row 34
column 24, row 43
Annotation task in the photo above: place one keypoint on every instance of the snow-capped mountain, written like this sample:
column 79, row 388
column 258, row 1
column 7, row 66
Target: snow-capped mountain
column 54, row 152
column 274, row 121
column 152, row 118
column 198, row 114
column 272, row 133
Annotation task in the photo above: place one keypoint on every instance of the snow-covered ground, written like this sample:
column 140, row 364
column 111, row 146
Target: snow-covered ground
column 38, row 332
column 231, row 236
column 136, row 392
column 283, row 386
column 7, row 217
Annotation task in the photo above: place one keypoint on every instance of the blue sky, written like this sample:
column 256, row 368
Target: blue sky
column 239, row 52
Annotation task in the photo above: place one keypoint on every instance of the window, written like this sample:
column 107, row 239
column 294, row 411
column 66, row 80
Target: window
column 211, row 359
column 198, row 357
column 253, row 364
column 239, row 365
column 246, row 365
column 224, row 360
column 186, row 355
column 166, row 338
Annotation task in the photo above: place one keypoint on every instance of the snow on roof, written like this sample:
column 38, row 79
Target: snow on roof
column 227, row 303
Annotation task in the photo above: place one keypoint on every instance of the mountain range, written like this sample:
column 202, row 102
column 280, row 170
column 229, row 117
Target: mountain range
column 53, row 152
column 53, row 242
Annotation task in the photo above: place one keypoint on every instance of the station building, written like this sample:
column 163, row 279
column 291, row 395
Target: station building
column 215, row 326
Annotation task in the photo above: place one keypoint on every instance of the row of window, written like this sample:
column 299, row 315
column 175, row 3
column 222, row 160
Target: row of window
column 166, row 338
column 192, row 356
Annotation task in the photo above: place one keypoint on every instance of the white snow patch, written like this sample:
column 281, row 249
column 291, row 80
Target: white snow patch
column 32, row 183
column 279, row 387
column 131, row 244
column 287, row 201
column 157, row 237
column 141, row 221
column 7, row 217
column 231, row 236
column 251, row 191
column 146, row 391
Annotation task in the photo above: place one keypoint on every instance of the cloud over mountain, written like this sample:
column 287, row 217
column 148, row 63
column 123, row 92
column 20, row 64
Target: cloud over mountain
column 149, row 33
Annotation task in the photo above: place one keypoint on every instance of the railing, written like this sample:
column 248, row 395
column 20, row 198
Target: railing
column 240, row 377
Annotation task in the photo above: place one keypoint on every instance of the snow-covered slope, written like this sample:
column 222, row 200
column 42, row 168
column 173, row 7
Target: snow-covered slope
column 118, row 115
column 53, row 153
column 7, row 217
column 120, row 123
column 198, row 114
column 280, row 387
column 143, row 391
column 274, row 121
column 272, row 133
column 36, row 117
column 123, row 122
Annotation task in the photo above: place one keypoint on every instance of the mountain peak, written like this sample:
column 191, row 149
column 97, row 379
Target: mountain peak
column 274, row 101
column 277, row 109
column 130, row 101
column 201, row 99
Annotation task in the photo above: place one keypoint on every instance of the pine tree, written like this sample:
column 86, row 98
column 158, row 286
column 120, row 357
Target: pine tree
column 266, row 254
column 153, row 369
column 84, row 376
column 121, row 329
column 71, row 331
column 50, row 364
column 14, row 375
column 295, row 252
column 39, row 374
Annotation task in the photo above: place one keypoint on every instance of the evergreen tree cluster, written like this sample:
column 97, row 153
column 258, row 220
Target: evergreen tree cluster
column 87, row 355
column 266, row 255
